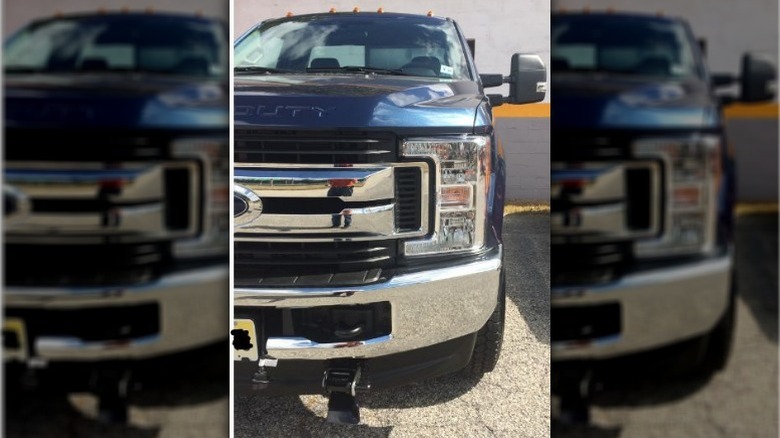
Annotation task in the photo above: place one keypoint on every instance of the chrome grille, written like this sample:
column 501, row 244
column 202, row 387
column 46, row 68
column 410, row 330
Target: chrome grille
column 322, row 202
column 606, row 201
column 97, row 209
column 323, row 208
column 128, row 201
column 598, row 209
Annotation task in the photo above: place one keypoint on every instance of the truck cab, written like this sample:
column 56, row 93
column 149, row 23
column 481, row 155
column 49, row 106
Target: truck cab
column 368, row 204
column 642, row 197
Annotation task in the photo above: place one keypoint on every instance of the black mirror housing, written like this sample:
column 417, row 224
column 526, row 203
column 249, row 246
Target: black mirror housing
column 757, row 79
column 528, row 81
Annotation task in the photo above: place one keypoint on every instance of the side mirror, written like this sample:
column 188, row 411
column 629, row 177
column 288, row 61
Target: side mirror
column 528, row 81
column 757, row 81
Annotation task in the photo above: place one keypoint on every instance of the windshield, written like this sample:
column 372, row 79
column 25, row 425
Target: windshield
column 143, row 43
column 417, row 46
column 631, row 45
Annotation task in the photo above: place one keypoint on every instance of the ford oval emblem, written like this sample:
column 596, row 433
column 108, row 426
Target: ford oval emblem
column 247, row 206
column 16, row 205
column 240, row 206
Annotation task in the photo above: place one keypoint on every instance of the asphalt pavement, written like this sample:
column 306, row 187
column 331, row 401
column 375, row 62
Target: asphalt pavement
column 740, row 401
column 512, row 401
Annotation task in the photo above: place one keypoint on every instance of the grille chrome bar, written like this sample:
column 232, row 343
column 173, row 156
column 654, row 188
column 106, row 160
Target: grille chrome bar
column 369, row 183
column 593, row 203
column 378, row 209
column 370, row 221
column 76, row 200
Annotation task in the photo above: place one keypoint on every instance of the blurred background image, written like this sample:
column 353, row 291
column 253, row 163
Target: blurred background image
column 664, row 219
column 115, row 222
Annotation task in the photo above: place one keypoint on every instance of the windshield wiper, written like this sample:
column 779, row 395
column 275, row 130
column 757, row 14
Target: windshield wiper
column 357, row 69
column 257, row 69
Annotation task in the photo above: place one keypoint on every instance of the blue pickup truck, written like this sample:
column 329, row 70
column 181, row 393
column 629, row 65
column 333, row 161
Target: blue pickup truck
column 368, row 204
column 643, row 184
column 116, row 209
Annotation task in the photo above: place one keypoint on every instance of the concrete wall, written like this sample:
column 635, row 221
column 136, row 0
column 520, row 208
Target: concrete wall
column 526, row 143
column 755, row 141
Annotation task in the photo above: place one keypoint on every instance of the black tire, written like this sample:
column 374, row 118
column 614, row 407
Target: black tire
column 487, row 347
column 719, row 340
column 710, row 353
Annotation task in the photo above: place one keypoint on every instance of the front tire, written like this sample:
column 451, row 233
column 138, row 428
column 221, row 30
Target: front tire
column 487, row 347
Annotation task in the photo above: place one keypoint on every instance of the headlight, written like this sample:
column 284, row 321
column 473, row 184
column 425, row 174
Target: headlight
column 692, row 182
column 213, row 238
column 462, row 169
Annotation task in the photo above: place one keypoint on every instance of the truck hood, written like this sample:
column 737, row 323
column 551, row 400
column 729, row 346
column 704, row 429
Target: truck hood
column 357, row 101
column 114, row 100
column 596, row 100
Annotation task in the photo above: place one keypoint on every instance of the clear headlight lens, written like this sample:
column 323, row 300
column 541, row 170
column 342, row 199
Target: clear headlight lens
column 462, row 169
column 692, row 182
column 215, row 210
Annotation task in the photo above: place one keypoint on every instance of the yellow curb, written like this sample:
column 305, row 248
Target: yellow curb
column 746, row 208
column 514, row 207
column 751, row 111
column 535, row 110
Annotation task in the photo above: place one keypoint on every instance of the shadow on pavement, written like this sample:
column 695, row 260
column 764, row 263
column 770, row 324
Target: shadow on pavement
column 756, row 260
column 527, row 260
column 558, row 429
column 264, row 412
column 257, row 415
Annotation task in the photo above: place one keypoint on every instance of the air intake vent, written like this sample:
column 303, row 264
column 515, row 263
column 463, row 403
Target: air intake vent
column 311, row 263
column 311, row 147
column 577, row 264
column 408, row 198
column 55, row 265
column 79, row 145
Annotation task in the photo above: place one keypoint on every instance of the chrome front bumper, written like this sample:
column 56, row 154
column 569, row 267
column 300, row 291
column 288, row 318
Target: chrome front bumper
column 658, row 308
column 193, row 312
column 427, row 308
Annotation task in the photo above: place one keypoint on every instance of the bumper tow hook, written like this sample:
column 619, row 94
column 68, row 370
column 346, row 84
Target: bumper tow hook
column 340, row 385
column 575, row 400
column 261, row 378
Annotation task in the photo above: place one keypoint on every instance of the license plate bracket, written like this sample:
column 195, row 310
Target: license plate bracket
column 244, row 340
column 14, row 339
